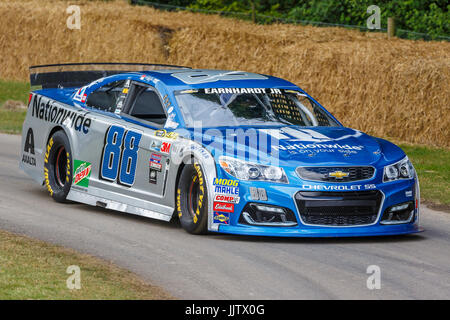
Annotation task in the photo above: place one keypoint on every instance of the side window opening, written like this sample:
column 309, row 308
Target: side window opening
column 147, row 106
column 105, row 98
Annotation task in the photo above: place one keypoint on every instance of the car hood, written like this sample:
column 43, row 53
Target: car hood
column 294, row 145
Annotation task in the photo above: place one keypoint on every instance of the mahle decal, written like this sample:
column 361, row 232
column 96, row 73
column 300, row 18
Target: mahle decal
column 81, row 173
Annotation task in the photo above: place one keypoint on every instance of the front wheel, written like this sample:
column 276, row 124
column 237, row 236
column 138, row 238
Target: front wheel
column 57, row 166
column 192, row 199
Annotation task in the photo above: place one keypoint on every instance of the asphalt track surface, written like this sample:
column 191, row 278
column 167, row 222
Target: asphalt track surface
column 230, row 267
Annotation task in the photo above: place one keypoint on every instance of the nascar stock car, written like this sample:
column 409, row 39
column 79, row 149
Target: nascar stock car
column 222, row 151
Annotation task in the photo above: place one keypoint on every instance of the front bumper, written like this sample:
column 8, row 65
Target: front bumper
column 283, row 196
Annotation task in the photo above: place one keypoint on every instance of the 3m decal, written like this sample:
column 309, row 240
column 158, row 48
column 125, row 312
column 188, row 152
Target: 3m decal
column 165, row 147
column 223, row 207
column 81, row 173
column 226, row 198
column 120, row 153
column 221, row 217
column 52, row 112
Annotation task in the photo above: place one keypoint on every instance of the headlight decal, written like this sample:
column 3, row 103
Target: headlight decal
column 402, row 169
column 243, row 170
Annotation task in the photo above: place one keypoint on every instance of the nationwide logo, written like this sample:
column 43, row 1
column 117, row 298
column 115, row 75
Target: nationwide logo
column 82, row 173
column 226, row 198
column 223, row 207
column 221, row 217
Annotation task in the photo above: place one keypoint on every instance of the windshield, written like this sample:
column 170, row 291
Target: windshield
column 222, row 107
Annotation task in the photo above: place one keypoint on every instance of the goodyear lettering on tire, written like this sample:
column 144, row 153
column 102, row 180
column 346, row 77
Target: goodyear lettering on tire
column 179, row 203
column 47, row 181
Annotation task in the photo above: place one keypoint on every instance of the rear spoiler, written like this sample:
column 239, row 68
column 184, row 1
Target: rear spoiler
column 74, row 75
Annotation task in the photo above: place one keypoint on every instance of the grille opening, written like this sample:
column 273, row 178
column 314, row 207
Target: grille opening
column 336, row 174
column 267, row 215
column 400, row 213
column 338, row 208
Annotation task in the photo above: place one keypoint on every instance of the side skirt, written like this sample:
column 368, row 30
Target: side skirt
column 83, row 197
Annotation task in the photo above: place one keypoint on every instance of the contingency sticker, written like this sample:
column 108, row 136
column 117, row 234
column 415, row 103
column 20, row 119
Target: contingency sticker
column 221, row 217
column 81, row 173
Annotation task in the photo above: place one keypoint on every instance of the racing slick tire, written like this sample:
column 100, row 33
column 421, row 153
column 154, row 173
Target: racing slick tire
column 57, row 166
column 192, row 199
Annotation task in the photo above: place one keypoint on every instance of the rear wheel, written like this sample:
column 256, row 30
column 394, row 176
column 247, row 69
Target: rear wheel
column 57, row 166
column 192, row 199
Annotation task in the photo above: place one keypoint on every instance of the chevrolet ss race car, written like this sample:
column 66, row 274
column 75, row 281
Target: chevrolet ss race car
column 222, row 151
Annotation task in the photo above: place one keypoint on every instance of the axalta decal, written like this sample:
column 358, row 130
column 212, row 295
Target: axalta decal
column 29, row 148
column 320, row 187
column 52, row 112
column 221, row 217
column 81, row 173
column 226, row 186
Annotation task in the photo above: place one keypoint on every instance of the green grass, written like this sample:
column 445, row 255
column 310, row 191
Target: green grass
column 14, row 90
column 32, row 269
column 11, row 121
column 433, row 169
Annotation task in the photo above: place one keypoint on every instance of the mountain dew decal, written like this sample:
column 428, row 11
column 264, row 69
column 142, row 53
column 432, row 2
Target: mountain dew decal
column 81, row 173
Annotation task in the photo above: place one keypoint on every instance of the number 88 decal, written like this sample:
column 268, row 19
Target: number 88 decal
column 120, row 151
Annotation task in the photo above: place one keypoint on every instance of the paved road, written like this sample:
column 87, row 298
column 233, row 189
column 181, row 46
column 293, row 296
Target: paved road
column 230, row 267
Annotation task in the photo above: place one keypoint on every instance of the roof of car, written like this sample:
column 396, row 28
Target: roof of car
column 209, row 78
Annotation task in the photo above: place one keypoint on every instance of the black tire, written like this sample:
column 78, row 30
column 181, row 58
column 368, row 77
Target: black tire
column 192, row 199
column 58, row 166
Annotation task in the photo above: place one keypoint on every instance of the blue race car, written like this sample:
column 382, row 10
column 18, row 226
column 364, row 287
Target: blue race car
column 222, row 151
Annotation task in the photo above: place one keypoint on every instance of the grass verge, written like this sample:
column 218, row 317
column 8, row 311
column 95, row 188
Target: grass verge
column 14, row 90
column 433, row 169
column 32, row 269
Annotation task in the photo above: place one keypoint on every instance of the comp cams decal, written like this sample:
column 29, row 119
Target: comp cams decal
column 51, row 111
column 226, row 198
